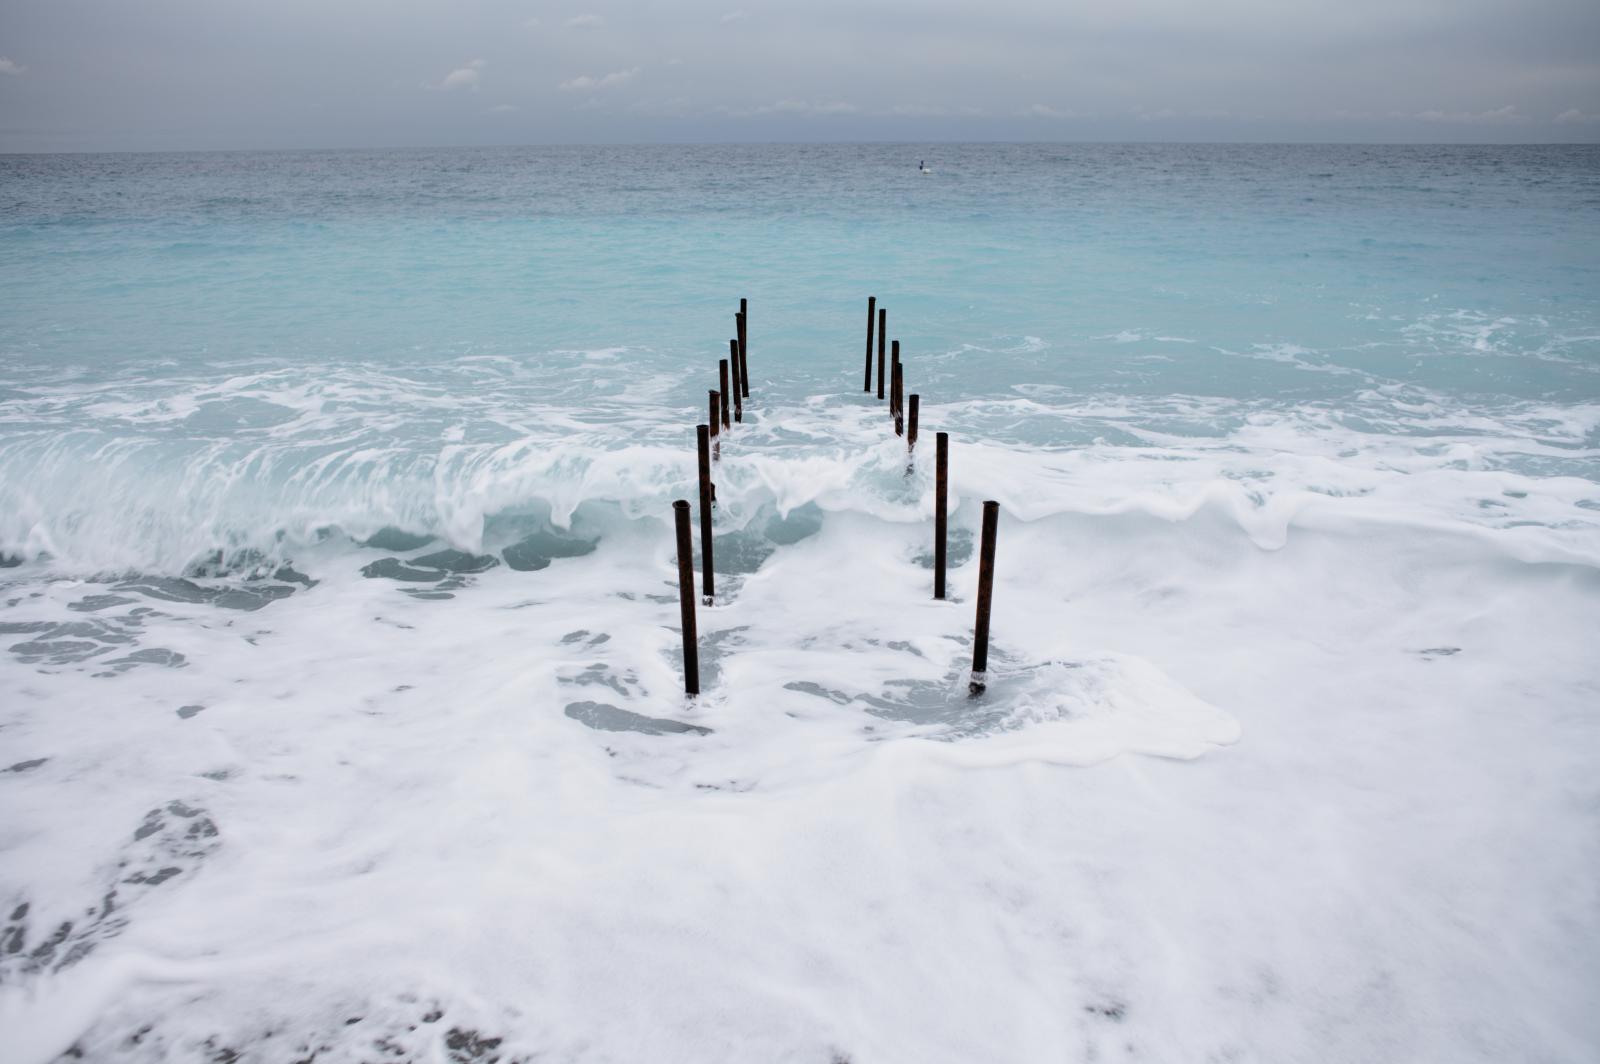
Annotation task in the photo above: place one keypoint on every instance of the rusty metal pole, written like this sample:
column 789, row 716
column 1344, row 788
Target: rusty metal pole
column 691, row 643
column 980, row 631
column 899, row 383
column 744, row 347
column 894, row 379
column 703, row 438
column 941, row 501
column 738, row 400
column 872, row 301
column 716, row 425
column 727, row 407
column 911, row 424
column 883, row 328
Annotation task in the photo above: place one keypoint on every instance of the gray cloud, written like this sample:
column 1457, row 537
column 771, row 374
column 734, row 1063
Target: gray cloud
column 1498, row 115
column 1044, row 110
column 178, row 74
column 465, row 77
column 605, row 81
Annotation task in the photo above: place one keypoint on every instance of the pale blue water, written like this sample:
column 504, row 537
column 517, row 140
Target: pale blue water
column 418, row 255
column 407, row 293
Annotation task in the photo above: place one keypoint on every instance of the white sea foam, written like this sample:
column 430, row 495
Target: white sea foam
column 128, row 490
column 417, row 846
column 1263, row 682
column 390, row 777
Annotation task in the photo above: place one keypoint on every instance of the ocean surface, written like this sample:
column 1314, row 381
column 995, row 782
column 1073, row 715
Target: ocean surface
column 341, row 710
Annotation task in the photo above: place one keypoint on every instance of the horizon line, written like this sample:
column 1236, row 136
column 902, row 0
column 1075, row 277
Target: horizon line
column 819, row 143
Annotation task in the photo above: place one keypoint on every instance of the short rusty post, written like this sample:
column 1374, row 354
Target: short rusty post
column 980, row 631
column 883, row 328
column 738, row 400
column 911, row 424
column 691, row 643
column 894, row 379
column 703, row 438
column 715, row 424
column 899, row 420
column 744, row 347
column 941, row 501
column 727, row 407
column 872, row 301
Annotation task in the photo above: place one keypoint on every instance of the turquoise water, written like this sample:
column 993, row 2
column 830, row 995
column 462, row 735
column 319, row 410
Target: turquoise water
column 417, row 256
column 436, row 287
column 341, row 678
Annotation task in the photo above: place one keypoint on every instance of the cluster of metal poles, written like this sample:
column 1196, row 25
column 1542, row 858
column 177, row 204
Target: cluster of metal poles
column 734, row 378
column 726, row 409
column 903, row 410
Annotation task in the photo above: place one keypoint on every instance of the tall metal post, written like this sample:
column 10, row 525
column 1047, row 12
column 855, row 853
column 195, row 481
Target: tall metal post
column 691, row 642
column 703, row 438
column 980, row 630
column 872, row 301
column 941, row 502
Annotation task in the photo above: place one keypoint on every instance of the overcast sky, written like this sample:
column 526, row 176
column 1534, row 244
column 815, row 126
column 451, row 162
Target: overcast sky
column 164, row 74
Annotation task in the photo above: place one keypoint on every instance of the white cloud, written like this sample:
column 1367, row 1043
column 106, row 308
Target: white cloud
column 586, row 83
column 466, row 77
column 503, row 108
column 1158, row 115
column 1573, row 116
column 531, row 22
column 7, row 66
column 1499, row 115
column 734, row 16
column 584, row 22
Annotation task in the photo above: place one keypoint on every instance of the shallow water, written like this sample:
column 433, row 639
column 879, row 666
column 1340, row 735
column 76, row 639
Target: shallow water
column 338, row 627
